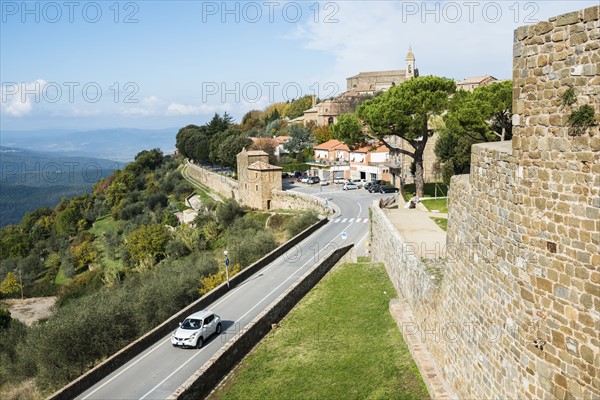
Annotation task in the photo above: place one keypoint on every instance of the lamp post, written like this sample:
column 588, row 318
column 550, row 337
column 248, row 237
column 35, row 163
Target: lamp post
column 226, row 253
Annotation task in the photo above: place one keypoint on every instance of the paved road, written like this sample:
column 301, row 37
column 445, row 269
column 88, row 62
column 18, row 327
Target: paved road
column 157, row 372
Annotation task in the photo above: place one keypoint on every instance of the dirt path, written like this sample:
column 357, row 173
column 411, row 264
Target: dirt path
column 30, row 310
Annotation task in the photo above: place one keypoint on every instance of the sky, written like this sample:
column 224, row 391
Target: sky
column 162, row 64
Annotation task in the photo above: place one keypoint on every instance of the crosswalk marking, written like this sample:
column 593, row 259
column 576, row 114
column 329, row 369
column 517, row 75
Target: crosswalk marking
column 350, row 220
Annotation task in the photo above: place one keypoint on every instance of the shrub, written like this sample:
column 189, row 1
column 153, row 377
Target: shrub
column 300, row 223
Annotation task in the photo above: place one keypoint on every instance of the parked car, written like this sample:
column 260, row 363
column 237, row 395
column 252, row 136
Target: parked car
column 324, row 183
column 313, row 179
column 196, row 328
column 359, row 182
column 340, row 181
column 349, row 186
column 374, row 188
column 388, row 189
column 305, row 179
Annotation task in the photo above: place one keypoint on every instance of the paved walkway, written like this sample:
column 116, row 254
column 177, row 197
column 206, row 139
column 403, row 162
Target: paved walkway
column 419, row 230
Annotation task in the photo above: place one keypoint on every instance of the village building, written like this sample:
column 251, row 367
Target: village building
column 360, row 87
column 335, row 160
column 469, row 84
column 276, row 142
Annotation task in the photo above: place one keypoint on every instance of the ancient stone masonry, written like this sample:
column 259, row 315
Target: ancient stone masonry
column 517, row 313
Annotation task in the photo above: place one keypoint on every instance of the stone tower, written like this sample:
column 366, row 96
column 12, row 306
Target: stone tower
column 410, row 64
column 257, row 178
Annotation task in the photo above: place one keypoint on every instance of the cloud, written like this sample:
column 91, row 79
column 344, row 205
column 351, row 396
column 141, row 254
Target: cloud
column 455, row 39
column 18, row 98
column 188, row 109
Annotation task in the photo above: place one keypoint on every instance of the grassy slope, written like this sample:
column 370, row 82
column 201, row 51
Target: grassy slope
column 441, row 205
column 339, row 342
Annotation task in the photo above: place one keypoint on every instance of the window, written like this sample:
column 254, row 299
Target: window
column 257, row 188
column 330, row 120
column 208, row 319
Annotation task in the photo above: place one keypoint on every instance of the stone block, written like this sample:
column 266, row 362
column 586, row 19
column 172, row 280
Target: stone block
column 591, row 14
column 567, row 19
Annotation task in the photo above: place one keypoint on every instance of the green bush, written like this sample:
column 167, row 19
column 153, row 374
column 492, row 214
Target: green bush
column 300, row 223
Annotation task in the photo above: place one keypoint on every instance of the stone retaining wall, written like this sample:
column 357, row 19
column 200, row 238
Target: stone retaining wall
column 287, row 200
column 516, row 314
column 227, row 187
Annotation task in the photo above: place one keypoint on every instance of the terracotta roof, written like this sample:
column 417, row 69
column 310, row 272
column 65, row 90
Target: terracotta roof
column 332, row 144
column 263, row 166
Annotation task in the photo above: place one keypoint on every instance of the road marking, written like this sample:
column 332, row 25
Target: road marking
column 335, row 221
column 344, row 220
column 248, row 312
column 351, row 220
column 366, row 220
column 121, row 372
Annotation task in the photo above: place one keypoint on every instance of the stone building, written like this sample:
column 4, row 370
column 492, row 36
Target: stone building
column 359, row 88
column 472, row 82
column 515, row 314
column 369, row 83
column 257, row 179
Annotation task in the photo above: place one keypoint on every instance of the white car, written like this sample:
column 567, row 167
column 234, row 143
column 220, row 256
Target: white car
column 324, row 183
column 350, row 186
column 196, row 328
column 340, row 181
column 359, row 182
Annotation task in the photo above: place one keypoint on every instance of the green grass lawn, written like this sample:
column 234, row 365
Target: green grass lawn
column 430, row 190
column 441, row 205
column 441, row 222
column 105, row 224
column 339, row 342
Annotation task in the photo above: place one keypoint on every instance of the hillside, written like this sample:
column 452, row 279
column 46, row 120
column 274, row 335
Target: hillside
column 30, row 180
column 120, row 264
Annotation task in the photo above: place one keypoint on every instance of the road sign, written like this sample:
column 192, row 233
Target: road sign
column 227, row 262
column 344, row 235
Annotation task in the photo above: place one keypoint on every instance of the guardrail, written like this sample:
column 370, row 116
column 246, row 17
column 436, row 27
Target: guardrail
column 111, row 364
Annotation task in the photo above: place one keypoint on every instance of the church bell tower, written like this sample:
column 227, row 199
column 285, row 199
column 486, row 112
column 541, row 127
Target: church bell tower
column 410, row 64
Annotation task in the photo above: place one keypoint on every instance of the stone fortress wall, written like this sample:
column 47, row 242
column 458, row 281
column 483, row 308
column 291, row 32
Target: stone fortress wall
column 517, row 311
column 281, row 199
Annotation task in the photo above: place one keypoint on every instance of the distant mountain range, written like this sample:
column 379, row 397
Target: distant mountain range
column 112, row 144
column 29, row 180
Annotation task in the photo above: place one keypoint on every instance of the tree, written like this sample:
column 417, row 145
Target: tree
column 297, row 107
column 497, row 104
column 10, row 285
column 404, row 111
column 234, row 142
column 483, row 115
column 148, row 160
column 147, row 241
column 322, row 133
column 348, row 129
column 218, row 124
column 228, row 211
column 253, row 119
column 301, row 139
